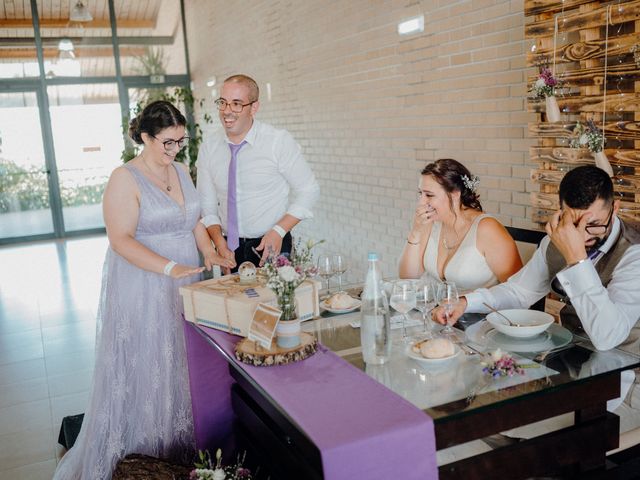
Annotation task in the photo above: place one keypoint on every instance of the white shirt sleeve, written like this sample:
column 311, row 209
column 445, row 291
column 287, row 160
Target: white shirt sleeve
column 304, row 188
column 521, row 290
column 206, row 188
column 607, row 314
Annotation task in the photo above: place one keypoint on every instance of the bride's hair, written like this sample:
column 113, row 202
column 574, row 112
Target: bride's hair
column 155, row 117
column 451, row 174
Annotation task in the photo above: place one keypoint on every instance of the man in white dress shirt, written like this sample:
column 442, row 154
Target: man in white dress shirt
column 246, row 175
column 592, row 260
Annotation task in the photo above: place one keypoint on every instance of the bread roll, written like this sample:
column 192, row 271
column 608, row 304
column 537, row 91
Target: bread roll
column 437, row 348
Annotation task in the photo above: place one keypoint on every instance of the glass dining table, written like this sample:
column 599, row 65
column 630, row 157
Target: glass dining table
column 466, row 405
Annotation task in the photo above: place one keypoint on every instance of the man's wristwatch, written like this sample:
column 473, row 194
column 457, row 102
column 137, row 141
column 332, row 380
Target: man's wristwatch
column 279, row 230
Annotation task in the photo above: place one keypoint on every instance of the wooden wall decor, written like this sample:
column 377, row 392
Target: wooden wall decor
column 582, row 46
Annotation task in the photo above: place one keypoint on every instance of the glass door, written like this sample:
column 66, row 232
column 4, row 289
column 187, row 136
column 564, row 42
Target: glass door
column 86, row 123
column 24, row 190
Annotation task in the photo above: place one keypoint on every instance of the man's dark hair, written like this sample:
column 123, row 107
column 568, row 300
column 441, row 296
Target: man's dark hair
column 584, row 185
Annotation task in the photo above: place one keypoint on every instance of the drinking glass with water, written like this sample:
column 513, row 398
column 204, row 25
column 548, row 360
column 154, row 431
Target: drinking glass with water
column 403, row 300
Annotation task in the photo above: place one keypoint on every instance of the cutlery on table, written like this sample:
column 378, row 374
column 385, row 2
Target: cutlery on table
column 513, row 324
column 467, row 349
column 543, row 355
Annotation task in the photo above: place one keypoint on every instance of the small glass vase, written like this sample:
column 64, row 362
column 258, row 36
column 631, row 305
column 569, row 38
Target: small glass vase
column 552, row 109
column 288, row 328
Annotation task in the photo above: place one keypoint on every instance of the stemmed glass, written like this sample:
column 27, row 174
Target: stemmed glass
column 426, row 300
column 447, row 298
column 339, row 267
column 326, row 269
column 403, row 300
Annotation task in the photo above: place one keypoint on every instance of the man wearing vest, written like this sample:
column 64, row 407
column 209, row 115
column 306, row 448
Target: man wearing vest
column 591, row 259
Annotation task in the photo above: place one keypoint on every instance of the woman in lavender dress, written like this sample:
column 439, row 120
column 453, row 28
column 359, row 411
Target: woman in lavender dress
column 140, row 400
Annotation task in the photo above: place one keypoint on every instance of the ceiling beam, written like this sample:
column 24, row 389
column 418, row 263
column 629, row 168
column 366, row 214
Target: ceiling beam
column 65, row 23
column 30, row 53
column 81, row 41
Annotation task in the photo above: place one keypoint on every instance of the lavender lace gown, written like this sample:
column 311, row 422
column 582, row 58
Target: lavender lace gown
column 140, row 401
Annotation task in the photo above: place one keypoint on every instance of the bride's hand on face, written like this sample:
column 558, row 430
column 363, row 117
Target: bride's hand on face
column 422, row 219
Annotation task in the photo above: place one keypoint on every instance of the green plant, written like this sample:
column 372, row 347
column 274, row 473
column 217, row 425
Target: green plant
column 153, row 63
column 23, row 189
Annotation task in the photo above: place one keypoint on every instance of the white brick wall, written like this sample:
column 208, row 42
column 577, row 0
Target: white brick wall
column 371, row 108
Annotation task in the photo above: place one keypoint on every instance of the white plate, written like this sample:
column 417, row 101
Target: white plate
column 483, row 334
column 529, row 322
column 356, row 304
column 430, row 361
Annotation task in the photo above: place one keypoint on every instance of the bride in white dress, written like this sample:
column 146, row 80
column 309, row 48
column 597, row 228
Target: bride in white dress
column 451, row 239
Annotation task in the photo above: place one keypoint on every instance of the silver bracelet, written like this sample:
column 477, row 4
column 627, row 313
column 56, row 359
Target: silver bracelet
column 279, row 230
column 168, row 267
column 577, row 263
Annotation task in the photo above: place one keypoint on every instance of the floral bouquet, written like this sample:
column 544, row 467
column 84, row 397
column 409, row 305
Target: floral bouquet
column 501, row 364
column 285, row 272
column 545, row 85
column 590, row 137
column 207, row 470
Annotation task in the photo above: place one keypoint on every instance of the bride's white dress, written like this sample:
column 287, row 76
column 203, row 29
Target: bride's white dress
column 468, row 268
column 140, row 400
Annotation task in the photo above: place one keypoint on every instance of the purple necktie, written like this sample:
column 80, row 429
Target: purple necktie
column 233, row 239
column 593, row 254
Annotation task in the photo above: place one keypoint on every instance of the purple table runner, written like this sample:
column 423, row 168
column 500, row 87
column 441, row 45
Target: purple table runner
column 362, row 429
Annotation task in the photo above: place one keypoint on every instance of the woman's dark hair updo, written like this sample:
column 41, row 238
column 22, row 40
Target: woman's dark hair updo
column 451, row 174
column 154, row 118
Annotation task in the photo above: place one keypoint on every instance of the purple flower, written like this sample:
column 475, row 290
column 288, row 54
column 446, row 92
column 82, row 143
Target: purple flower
column 242, row 472
column 548, row 77
column 282, row 261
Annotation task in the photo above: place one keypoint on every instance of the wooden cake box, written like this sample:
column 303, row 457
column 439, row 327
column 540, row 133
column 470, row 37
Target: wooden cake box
column 225, row 304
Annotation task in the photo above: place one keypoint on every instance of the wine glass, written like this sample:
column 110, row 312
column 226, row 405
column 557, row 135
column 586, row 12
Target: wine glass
column 426, row 300
column 447, row 298
column 325, row 269
column 403, row 300
column 339, row 267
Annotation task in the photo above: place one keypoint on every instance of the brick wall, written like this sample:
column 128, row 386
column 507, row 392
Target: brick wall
column 370, row 108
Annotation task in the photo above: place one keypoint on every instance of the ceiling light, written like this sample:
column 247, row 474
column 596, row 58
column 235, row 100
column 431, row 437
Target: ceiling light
column 65, row 49
column 80, row 13
column 412, row 25
column 65, row 45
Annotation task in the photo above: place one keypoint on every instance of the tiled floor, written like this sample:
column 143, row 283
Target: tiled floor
column 48, row 298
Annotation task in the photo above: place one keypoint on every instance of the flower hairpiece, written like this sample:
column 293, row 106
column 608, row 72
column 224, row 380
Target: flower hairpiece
column 471, row 183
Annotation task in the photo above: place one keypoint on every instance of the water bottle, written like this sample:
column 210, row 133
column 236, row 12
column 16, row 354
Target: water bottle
column 375, row 326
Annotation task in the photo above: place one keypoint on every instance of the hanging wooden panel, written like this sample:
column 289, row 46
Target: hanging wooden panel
column 595, row 54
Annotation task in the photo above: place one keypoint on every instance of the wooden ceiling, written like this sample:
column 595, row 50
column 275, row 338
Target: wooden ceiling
column 152, row 19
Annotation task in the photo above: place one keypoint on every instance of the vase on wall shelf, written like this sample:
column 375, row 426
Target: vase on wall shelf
column 552, row 109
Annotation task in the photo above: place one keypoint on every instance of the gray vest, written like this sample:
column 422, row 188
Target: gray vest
column 629, row 235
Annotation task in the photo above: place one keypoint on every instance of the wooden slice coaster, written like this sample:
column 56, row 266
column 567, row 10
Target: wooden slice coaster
column 247, row 352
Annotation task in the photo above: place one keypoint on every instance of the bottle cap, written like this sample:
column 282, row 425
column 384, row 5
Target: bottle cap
column 373, row 256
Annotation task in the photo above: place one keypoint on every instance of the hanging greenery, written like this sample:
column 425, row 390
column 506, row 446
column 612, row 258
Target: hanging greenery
column 152, row 63
column 183, row 99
